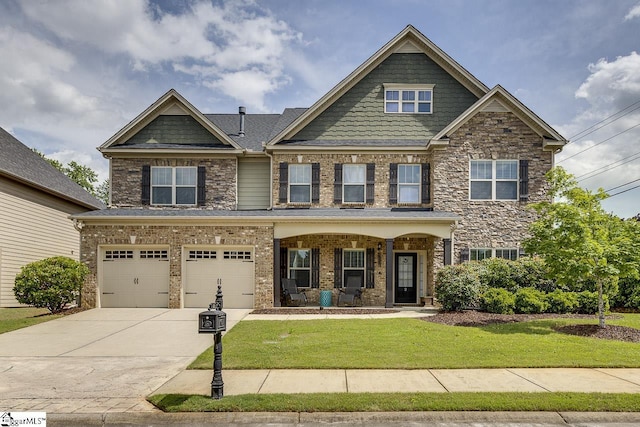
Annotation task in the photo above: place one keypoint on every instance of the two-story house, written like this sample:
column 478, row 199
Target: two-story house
column 408, row 164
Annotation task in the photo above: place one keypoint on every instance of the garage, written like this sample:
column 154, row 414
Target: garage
column 135, row 277
column 206, row 268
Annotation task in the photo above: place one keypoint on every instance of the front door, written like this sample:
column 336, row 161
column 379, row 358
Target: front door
column 405, row 286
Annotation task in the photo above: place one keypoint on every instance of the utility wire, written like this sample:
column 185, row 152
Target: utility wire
column 601, row 142
column 608, row 167
column 630, row 182
column 623, row 191
column 578, row 136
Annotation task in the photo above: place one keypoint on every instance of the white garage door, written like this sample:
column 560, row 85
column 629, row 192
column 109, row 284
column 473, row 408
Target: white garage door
column 206, row 268
column 135, row 278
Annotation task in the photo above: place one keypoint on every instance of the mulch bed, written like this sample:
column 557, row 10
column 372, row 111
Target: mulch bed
column 478, row 318
column 304, row 310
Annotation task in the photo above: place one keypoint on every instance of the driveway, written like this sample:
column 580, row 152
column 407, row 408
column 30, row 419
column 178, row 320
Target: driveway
column 99, row 360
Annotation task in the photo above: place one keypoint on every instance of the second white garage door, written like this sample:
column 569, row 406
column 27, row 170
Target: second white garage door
column 206, row 268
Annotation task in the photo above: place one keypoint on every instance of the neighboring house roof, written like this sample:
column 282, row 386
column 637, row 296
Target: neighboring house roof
column 169, row 103
column 20, row 163
column 551, row 138
column 257, row 128
column 409, row 38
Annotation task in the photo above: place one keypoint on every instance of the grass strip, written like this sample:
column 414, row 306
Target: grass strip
column 17, row 318
column 395, row 402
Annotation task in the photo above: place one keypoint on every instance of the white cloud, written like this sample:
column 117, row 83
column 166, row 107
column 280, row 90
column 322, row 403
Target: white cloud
column 634, row 12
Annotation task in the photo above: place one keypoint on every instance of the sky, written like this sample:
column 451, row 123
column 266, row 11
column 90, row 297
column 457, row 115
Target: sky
column 74, row 72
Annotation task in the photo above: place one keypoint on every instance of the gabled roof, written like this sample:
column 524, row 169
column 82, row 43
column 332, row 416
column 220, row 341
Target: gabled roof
column 551, row 138
column 18, row 162
column 409, row 38
column 170, row 100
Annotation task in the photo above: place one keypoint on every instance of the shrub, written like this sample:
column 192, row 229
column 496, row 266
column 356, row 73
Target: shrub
column 498, row 300
column 532, row 272
column 458, row 287
column 50, row 283
column 530, row 301
column 588, row 302
column 499, row 273
column 628, row 295
column 562, row 302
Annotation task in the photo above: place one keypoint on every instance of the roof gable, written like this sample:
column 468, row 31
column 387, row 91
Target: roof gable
column 171, row 104
column 409, row 40
column 499, row 99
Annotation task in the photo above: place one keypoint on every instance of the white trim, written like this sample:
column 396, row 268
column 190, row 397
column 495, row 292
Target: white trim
column 494, row 180
column 363, row 183
column 174, row 186
column 309, row 183
column 401, row 102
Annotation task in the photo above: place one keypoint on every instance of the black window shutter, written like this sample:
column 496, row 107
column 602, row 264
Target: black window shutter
column 393, row 184
column 464, row 255
column 337, row 268
column 284, row 263
column 447, row 251
column 315, row 183
column 371, row 180
column 337, row 184
column 146, row 184
column 426, row 183
column 524, row 179
column 371, row 268
column 202, row 187
column 315, row 267
column 284, row 182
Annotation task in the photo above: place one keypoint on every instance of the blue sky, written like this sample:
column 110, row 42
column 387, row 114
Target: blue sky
column 73, row 72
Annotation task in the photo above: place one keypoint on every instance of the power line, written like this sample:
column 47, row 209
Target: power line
column 601, row 142
column 630, row 182
column 608, row 167
column 605, row 119
column 624, row 191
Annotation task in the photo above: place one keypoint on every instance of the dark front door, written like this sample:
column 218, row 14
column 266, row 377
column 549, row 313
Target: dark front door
column 405, row 285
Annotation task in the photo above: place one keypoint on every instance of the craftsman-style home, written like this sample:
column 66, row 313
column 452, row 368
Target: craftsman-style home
column 408, row 164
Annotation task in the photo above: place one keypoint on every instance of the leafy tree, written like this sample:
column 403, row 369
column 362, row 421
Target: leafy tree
column 579, row 241
column 50, row 283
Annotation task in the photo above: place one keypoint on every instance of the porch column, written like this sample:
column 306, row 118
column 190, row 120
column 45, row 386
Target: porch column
column 276, row 273
column 389, row 276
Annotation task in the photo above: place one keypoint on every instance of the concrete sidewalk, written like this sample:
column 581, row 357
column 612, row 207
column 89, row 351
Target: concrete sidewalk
column 289, row 381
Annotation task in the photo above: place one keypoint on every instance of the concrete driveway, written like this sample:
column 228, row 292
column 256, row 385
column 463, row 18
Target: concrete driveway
column 99, row 360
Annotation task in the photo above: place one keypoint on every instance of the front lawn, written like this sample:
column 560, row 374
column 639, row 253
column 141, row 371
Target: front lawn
column 417, row 344
column 16, row 318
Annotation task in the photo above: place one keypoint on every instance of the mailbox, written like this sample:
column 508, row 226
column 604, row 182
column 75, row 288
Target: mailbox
column 212, row 321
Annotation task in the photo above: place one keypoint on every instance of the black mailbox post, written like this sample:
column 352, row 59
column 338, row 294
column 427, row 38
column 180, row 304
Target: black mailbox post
column 214, row 321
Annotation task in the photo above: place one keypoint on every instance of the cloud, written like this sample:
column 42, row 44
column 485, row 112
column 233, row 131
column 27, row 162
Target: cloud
column 634, row 12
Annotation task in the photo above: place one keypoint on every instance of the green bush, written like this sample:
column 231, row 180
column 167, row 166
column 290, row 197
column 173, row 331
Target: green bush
column 499, row 273
column 628, row 295
column 562, row 302
column 531, row 272
column 588, row 302
column 458, row 286
column 530, row 301
column 498, row 300
column 50, row 283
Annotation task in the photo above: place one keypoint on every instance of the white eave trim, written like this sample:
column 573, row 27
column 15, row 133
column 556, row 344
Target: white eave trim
column 348, row 148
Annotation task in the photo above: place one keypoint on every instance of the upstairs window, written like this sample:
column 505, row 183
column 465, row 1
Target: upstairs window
column 300, row 183
column 353, row 185
column 173, row 185
column 494, row 180
column 409, row 99
column 409, row 180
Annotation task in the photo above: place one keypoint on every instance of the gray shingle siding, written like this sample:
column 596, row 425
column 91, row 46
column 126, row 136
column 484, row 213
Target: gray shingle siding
column 359, row 114
column 175, row 130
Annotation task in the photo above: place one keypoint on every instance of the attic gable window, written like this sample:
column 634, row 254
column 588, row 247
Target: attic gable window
column 408, row 99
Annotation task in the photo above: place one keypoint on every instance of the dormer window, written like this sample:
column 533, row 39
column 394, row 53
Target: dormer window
column 408, row 99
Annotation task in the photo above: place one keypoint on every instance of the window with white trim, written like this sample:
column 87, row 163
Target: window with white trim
column 493, row 180
column 300, row 266
column 300, row 183
column 409, row 180
column 173, row 185
column 507, row 253
column 353, row 183
column 408, row 99
column 353, row 266
column 478, row 254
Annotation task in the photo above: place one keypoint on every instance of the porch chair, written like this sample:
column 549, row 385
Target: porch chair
column 351, row 292
column 291, row 295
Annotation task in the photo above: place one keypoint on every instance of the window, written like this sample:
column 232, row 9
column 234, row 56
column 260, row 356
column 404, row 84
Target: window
column 494, row 180
column 409, row 183
column 173, row 186
column 300, row 266
column 408, row 99
column 353, row 185
column 480, row 254
column 300, row 183
column 353, row 265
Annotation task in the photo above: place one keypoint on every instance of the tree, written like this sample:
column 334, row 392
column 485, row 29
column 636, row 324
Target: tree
column 50, row 283
column 579, row 241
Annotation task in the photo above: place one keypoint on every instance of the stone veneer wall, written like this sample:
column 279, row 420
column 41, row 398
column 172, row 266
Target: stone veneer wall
column 488, row 224
column 260, row 237
column 327, row 244
column 327, row 170
column 126, row 180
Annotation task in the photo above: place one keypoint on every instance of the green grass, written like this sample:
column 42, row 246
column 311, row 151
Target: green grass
column 416, row 344
column 17, row 318
column 379, row 402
